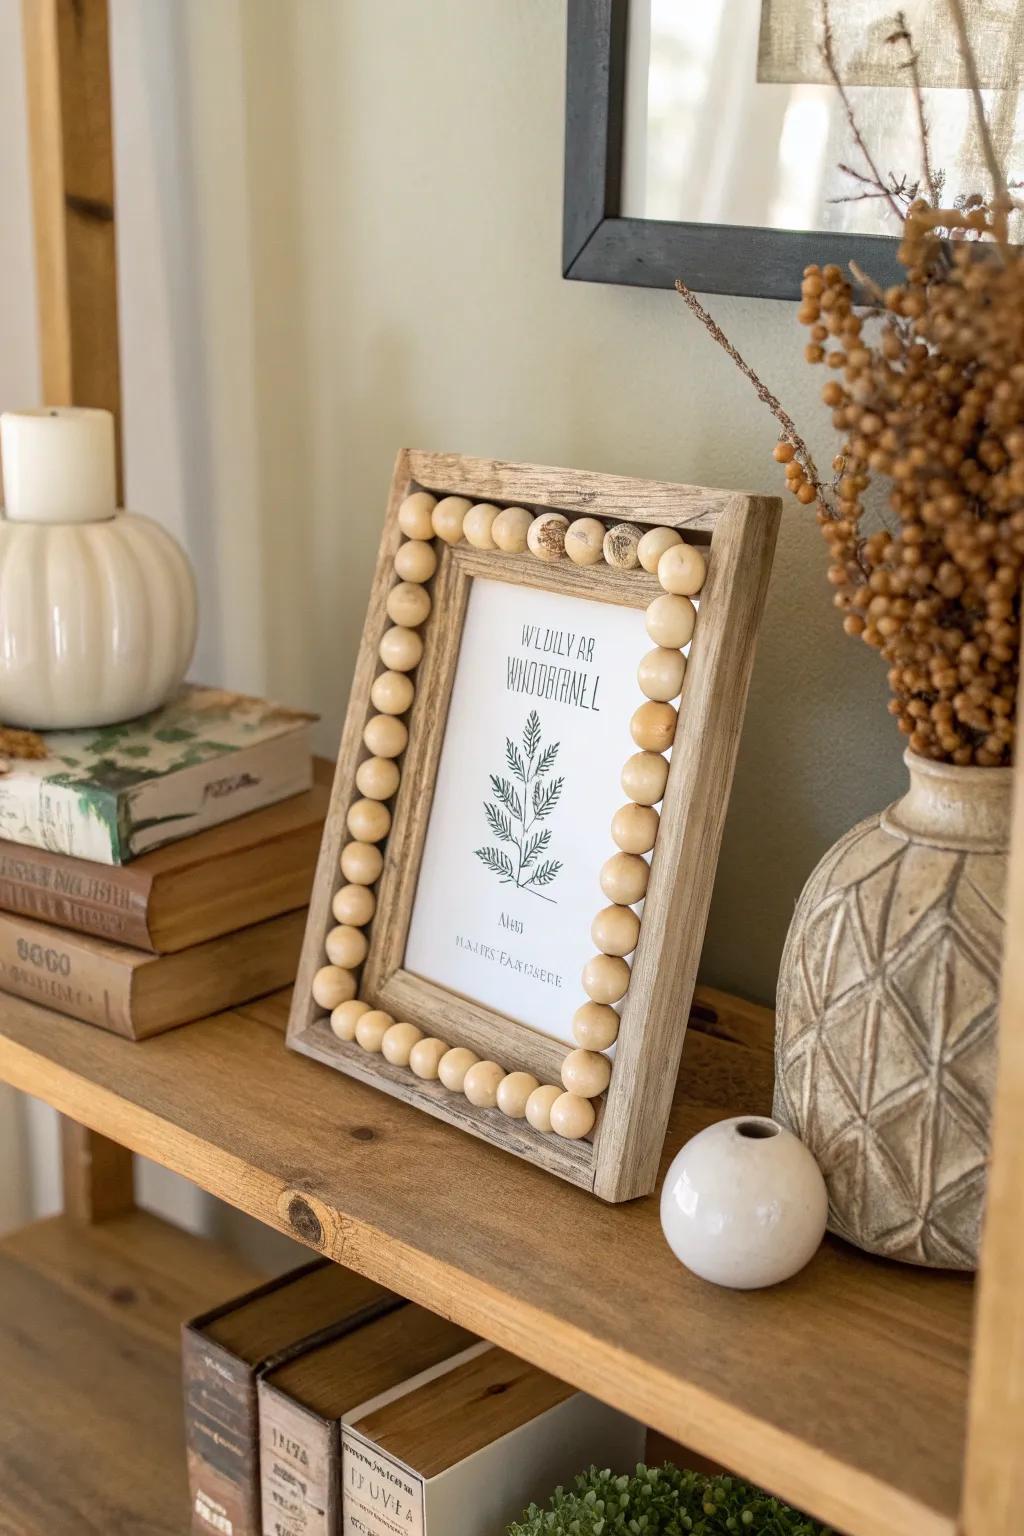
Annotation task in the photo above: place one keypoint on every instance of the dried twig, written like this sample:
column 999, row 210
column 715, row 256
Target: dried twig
column 829, row 55
column 903, row 35
column 1001, row 198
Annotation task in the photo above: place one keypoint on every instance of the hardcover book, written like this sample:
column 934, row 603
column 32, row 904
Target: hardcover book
column 464, row 1447
column 302, row 1402
column 113, row 793
column 223, row 1353
column 228, row 877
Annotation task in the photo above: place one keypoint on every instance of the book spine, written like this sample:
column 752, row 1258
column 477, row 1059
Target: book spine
column 380, row 1495
column 222, row 1440
column 76, row 819
column 66, row 973
column 300, row 1471
column 72, row 895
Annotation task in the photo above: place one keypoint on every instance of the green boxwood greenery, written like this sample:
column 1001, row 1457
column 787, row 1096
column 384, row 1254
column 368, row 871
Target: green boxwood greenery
column 663, row 1501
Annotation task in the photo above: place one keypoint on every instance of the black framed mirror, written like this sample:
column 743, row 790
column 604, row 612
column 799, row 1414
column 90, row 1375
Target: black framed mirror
column 726, row 109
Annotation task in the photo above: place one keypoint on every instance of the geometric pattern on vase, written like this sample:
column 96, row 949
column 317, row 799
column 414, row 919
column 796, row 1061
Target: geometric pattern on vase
column 886, row 1039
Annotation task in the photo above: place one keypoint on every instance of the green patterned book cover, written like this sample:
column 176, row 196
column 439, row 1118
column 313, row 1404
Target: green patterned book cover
column 112, row 793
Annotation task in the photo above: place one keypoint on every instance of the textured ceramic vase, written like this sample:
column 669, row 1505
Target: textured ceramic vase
column 888, row 994
column 97, row 607
column 743, row 1204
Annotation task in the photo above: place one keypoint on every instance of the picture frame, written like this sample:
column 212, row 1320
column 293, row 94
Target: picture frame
column 618, row 1157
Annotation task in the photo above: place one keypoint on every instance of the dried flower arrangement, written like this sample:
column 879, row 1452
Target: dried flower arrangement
column 928, row 392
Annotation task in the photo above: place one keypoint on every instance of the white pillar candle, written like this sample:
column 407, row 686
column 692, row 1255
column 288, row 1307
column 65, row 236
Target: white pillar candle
column 59, row 465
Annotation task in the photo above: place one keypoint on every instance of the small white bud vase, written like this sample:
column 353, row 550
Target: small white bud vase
column 97, row 606
column 744, row 1204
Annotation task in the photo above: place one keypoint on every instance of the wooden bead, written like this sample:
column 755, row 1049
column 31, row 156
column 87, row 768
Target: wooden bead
column 510, row 529
column 354, row 905
column 331, row 986
column 480, row 1084
column 595, row 1025
column 546, row 536
column 398, row 1042
column 408, row 604
column 606, row 978
column 371, row 1028
column 345, row 1017
column 449, row 517
column 616, row 930
column 653, row 726
column 661, row 674
column 479, row 522
column 401, row 649
column 584, row 541
column 415, row 560
column 634, row 828
column 538, row 1106
column 346, row 946
column 454, row 1065
column 370, row 822
column 653, row 545
column 572, row 1117
column 587, row 1073
column 513, row 1093
column 385, row 736
column 670, row 620
column 361, row 863
column 425, row 1057
column 624, row 878
column 644, row 777
column 414, row 515
column 620, row 546
column 392, row 693
column 682, row 569
column 377, row 778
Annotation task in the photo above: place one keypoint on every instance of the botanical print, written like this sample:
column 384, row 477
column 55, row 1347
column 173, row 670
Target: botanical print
column 513, row 821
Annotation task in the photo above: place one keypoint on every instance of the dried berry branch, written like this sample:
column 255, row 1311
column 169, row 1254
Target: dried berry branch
column 1000, row 197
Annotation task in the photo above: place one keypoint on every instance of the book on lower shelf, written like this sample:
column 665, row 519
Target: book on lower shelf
column 113, row 793
column 223, row 1352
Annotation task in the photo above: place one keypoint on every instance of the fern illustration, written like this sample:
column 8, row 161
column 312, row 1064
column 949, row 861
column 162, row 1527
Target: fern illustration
column 514, row 818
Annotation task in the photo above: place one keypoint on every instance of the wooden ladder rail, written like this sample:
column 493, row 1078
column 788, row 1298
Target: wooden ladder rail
column 67, row 65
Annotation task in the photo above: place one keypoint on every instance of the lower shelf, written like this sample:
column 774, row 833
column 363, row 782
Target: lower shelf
column 91, row 1432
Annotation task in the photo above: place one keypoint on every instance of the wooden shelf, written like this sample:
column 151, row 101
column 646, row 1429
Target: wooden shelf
column 843, row 1391
column 91, row 1435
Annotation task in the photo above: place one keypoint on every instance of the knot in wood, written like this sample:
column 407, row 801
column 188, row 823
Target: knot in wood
column 305, row 1221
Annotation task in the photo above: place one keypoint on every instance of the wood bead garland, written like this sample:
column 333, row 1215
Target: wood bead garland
column 377, row 778
column 660, row 674
column 644, row 777
column 392, row 693
column 401, row 649
column 595, row 1025
column 480, row 1084
column 415, row 515
column 408, row 604
column 670, row 620
column 371, row 1027
column 510, row 530
column 653, row 545
column 546, row 536
column 448, row 518
column 616, row 930
column 426, row 1056
column 370, row 822
column 454, row 1065
column 514, row 1092
column 477, row 527
column 345, row 1017
column 587, row 1073
column 682, row 569
column 653, row 726
column 385, row 736
column 331, row 986
column 572, row 1117
column 624, row 878
column 606, row 978
column 346, row 946
column 538, row 1107
column 354, row 905
column 584, row 541
column 398, row 1042
column 620, row 547
column 635, row 828
column 361, row 863
column 415, row 560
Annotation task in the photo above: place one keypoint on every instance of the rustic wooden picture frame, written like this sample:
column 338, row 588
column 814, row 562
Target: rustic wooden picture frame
column 619, row 1159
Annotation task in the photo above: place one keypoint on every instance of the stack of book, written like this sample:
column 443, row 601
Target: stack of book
column 157, row 871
